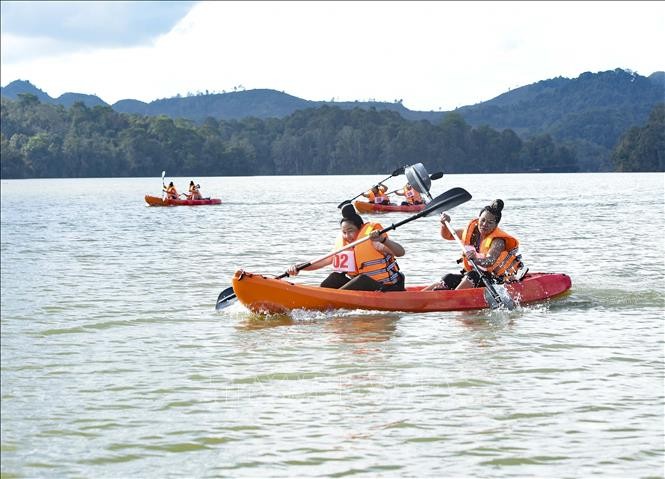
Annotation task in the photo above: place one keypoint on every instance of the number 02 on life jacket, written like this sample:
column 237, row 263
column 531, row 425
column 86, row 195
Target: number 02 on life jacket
column 344, row 262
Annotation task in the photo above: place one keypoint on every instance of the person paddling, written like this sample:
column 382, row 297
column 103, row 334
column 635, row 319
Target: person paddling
column 194, row 191
column 171, row 192
column 368, row 266
column 411, row 196
column 377, row 194
column 495, row 252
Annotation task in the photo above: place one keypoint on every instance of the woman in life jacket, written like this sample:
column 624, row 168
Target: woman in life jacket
column 377, row 194
column 368, row 266
column 495, row 252
column 411, row 196
column 171, row 192
column 194, row 193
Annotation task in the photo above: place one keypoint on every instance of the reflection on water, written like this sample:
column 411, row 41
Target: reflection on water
column 350, row 327
column 361, row 328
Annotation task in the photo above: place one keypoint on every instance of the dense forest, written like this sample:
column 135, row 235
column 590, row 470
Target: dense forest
column 643, row 149
column 43, row 140
column 559, row 124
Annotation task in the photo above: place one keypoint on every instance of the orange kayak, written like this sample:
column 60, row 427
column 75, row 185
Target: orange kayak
column 367, row 207
column 159, row 201
column 261, row 294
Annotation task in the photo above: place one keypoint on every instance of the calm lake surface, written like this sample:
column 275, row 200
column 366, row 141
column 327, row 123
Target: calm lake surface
column 116, row 364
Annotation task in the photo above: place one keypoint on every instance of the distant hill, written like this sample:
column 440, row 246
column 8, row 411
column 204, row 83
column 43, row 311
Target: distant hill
column 17, row 87
column 588, row 113
column 259, row 103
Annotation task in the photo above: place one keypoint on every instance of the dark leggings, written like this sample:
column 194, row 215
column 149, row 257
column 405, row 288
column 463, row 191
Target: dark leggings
column 452, row 280
column 362, row 282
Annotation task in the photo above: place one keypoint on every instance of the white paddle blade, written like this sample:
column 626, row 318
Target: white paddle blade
column 418, row 178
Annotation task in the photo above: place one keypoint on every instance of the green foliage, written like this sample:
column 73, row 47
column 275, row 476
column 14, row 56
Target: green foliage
column 643, row 149
column 44, row 140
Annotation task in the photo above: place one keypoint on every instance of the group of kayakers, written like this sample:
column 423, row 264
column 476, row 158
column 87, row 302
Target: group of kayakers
column 378, row 194
column 194, row 192
column 371, row 265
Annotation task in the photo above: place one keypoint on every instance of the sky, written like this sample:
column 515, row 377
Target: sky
column 431, row 56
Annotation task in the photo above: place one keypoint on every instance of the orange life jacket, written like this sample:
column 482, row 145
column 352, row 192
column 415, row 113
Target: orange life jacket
column 379, row 198
column 412, row 196
column 509, row 260
column 378, row 266
column 171, row 192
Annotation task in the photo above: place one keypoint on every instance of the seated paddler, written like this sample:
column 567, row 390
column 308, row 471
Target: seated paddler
column 494, row 251
column 368, row 266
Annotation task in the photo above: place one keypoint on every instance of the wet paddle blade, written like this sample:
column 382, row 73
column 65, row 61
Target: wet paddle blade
column 226, row 298
column 497, row 296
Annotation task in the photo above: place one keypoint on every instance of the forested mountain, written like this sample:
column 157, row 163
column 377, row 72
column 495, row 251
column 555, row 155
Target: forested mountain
column 588, row 115
column 643, row 149
column 15, row 88
column 43, row 140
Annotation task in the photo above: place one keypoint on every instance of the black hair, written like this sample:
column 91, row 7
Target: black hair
column 495, row 209
column 349, row 213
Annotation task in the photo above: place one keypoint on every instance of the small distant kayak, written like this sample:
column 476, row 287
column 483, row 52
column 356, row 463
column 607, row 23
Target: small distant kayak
column 367, row 207
column 261, row 294
column 159, row 201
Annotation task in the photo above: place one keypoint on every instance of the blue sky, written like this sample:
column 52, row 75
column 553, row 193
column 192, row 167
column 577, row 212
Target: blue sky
column 431, row 55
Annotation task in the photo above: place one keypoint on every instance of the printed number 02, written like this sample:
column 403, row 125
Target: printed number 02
column 340, row 261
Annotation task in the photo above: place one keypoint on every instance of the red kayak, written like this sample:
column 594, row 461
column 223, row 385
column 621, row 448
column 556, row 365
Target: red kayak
column 159, row 201
column 367, row 207
column 268, row 295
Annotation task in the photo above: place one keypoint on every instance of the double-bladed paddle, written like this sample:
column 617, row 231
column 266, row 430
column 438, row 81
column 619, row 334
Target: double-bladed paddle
column 445, row 201
column 397, row 172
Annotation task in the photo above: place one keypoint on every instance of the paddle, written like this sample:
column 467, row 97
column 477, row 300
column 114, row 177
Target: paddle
column 163, row 185
column 497, row 294
column 433, row 176
column 397, row 172
column 445, row 201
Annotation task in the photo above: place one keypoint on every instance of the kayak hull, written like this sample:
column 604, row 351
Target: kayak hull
column 261, row 294
column 159, row 201
column 367, row 207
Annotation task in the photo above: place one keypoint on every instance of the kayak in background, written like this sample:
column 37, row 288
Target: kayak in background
column 159, row 201
column 367, row 207
column 261, row 294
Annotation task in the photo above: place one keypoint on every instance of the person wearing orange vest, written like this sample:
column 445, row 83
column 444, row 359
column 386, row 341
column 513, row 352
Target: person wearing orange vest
column 412, row 196
column 368, row 266
column 171, row 192
column 194, row 193
column 377, row 194
column 495, row 252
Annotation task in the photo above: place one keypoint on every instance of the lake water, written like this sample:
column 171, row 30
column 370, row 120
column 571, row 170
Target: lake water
column 116, row 364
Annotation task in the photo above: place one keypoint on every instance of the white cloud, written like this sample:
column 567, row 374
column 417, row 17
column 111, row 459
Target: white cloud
column 433, row 55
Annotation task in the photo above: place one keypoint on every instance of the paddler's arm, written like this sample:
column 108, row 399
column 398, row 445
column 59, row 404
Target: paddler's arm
column 383, row 244
column 445, row 233
column 495, row 250
column 294, row 269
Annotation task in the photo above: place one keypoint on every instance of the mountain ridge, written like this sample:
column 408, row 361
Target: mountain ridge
column 588, row 113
